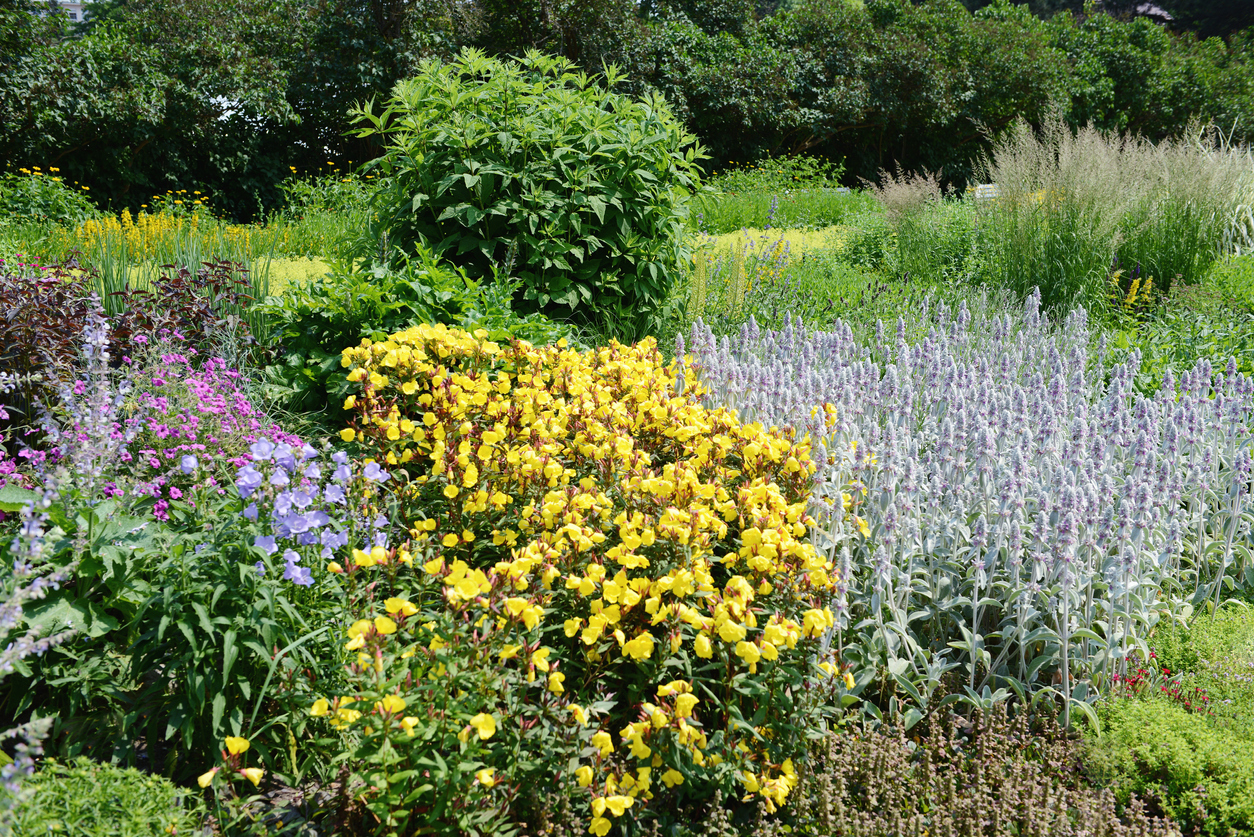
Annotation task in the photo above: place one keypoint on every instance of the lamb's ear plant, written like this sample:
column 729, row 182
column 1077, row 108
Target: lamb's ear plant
column 1026, row 515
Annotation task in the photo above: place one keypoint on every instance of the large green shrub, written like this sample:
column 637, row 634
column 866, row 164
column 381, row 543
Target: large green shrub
column 532, row 167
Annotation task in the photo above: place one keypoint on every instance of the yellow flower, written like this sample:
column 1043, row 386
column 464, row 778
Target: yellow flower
column 384, row 625
column 640, row 648
column 486, row 777
column 401, row 606
column 408, row 723
column 703, row 647
column 581, row 717
column 319, row 708
column 684, row 704
column 334, row 567
column 236, row 745
column 672, row 777
column 206, row 778
column 253, row 774
column 392, row 704
column 449, row 540
column 849, row 684
column 600, row 826
column 485, row 724
column 347, row 434
column 555, row 682
column 618, row 804
column 603, row 742
column 584, row 776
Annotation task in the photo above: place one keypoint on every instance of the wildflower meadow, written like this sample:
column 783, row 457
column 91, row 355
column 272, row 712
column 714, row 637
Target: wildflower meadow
column 582, row 490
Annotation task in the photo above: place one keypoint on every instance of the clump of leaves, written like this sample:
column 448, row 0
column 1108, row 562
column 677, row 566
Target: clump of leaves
column 43, row 314
column 83, row 797
column 201, row 309
column 584, row 189
column 1196, row 770
column 35, row 195
column 990, row 775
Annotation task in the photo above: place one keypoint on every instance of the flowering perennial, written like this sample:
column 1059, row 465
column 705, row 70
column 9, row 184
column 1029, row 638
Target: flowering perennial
column 1027, row 518
column 589, row 502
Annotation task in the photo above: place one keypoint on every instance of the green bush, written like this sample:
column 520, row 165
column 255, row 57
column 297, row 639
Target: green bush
column 1201, row 775
column 317, row 319
column 39, row 196
column 581, row 191
column 87, row 799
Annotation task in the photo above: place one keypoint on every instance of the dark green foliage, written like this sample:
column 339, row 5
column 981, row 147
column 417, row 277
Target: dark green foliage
column 178, row 639
column 991, row 775
column 82, row 798
column 530, row 166
column 315, row 321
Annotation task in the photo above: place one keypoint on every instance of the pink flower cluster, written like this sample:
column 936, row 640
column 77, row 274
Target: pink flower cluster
column 189, row 412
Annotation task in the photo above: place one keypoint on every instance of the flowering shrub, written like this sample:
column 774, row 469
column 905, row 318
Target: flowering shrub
column 1028, row 520
column 635, row 547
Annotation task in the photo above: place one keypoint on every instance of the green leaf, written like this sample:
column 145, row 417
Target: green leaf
column 14, row 499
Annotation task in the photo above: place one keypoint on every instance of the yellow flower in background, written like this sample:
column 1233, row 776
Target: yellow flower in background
column 320, row 707
column 486, row 777
column 485, row 725
column 253, row 774
column 236, row 745
column 584, row 776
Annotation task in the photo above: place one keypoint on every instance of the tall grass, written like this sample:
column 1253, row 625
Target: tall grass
column 1074, row 208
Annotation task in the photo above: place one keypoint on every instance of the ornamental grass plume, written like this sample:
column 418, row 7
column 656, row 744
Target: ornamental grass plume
column 657, row 550
column 1029, row 517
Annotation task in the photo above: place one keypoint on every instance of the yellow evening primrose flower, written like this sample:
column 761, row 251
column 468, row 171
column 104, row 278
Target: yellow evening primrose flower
column 347, row 434
column 205, row 779
column 703, row 647
column 618, row 804
column 408, row 723
column 581, row 717
column 603, row 742
column 640, row 648
column 402, row 607
column 486, row 777
column 684, row 704
column 849, row 684
column 672, row 777
column 392, row 704
column 253, row 774
column 555, row 682
column 584, row 776
column 384, row 625
column 236, row 745
column 319, row 708
column 484, row 724
column 600, row 826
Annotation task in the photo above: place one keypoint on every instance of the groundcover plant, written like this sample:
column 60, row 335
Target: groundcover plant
column 1022, row 515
